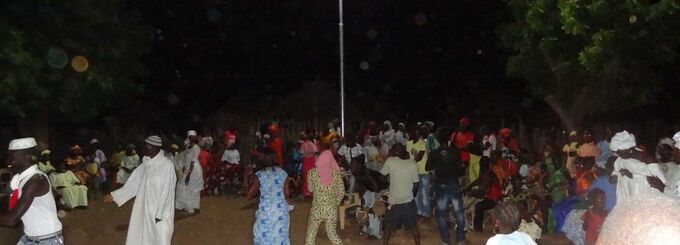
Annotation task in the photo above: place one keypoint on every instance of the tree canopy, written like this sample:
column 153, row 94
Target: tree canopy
column 590, row 56
column 71, row 58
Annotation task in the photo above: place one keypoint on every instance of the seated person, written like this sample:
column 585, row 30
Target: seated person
column 506, row 220
column 73, row 193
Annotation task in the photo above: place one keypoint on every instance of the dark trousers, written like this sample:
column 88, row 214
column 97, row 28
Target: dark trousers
column 480, row 208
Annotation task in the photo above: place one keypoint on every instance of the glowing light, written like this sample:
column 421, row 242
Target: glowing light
column 632, row 19
column 364, row 65
column 56, row 58
column 80, row 63
column 372, row 34
column 479, row 51
column 420, row 19
column 172, row 99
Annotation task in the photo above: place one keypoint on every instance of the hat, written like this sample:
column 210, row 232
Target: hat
column 45, row 152
column 154, row 140
column 622, row 141
column 94, row 141
column 174, row 146
column 465, row 121
column 191, row 133
column 573, row 133
column 402, row 124
column 273, row 129
column 22, row 144
column 676, row 138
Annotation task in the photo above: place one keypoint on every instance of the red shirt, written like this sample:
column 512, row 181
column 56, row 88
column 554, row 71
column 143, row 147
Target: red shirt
column 593, row 222
column 460, row 140
column 205, row 159
column 494, row 193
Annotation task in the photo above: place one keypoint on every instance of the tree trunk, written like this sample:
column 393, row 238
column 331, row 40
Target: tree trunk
column 36, row 126
column 572, row 117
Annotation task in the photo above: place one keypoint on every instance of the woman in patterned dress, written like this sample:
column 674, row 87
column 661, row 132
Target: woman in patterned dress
column 325, row 181
column 272, row 220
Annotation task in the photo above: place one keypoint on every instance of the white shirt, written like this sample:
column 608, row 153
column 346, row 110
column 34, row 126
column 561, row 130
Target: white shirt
column 231, row 156
column 627, row 187
column 350, row 153
column 489, row 139
column 41, row 217
column 400, row 137
column 515, row 238
column 153, row 185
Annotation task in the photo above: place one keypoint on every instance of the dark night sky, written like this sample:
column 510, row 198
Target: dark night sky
column 416, row 51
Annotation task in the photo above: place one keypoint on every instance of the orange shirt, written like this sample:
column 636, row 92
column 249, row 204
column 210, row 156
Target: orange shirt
column 276, row 145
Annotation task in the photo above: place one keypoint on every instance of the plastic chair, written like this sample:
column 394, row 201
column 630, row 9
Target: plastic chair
column 354, row 202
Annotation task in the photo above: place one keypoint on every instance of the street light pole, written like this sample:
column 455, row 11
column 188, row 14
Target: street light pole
column 342, row 70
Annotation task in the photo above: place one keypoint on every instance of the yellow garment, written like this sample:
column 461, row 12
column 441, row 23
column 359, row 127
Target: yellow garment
column 415, row 148
column 92, row 169
column 72, row 195
column 473, row 169
column 117, row 158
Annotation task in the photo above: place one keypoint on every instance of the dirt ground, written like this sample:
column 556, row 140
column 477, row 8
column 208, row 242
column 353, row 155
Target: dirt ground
column 222, row 220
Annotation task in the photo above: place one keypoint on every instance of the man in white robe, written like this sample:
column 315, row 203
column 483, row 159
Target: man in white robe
column 635, row 171
column 675, row 191
column 190, row 180
column 153, row 185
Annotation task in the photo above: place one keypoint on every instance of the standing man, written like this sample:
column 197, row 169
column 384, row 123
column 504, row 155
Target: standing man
column 153, row 183
column 462, row 139
column 447, row 165
column 401, row 169
column 417, row 148
column 31, row 199
column 190, row 183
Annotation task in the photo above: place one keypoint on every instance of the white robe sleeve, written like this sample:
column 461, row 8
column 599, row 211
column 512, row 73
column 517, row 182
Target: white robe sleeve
column 131, row 187
column 165, row 195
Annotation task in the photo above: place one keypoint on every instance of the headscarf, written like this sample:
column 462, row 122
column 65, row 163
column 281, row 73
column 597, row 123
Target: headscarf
column 326, row 164
column 505, row 132
column 388, row 123
column 231, row 138
column 664, row 141
column 622, row 141
column 676, row 138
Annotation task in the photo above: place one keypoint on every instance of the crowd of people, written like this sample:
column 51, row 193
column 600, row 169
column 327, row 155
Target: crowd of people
column 400, row 177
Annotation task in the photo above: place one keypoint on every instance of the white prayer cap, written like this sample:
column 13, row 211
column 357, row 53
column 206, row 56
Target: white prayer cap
column 622, row 141
column 429, row 123
column 21, row 144
column 94, row 141
column 45, row 152
column 676, row 138
column 192, row 133
column 154, row 140
column 402, row 124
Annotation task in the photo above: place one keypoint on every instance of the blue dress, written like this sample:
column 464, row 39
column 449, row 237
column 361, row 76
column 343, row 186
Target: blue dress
column 271, row 219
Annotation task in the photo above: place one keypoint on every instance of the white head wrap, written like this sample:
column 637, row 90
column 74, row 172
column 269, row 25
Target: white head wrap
column 622, row 141
column 676, row 138
column 388, row 123
column 21, row 144
column 94, row 141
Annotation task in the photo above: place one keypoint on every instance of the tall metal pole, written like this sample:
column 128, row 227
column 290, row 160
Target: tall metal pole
column 342, row 71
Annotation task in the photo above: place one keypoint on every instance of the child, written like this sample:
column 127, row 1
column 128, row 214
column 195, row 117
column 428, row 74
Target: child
column 594, row 217
column 529, row 224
